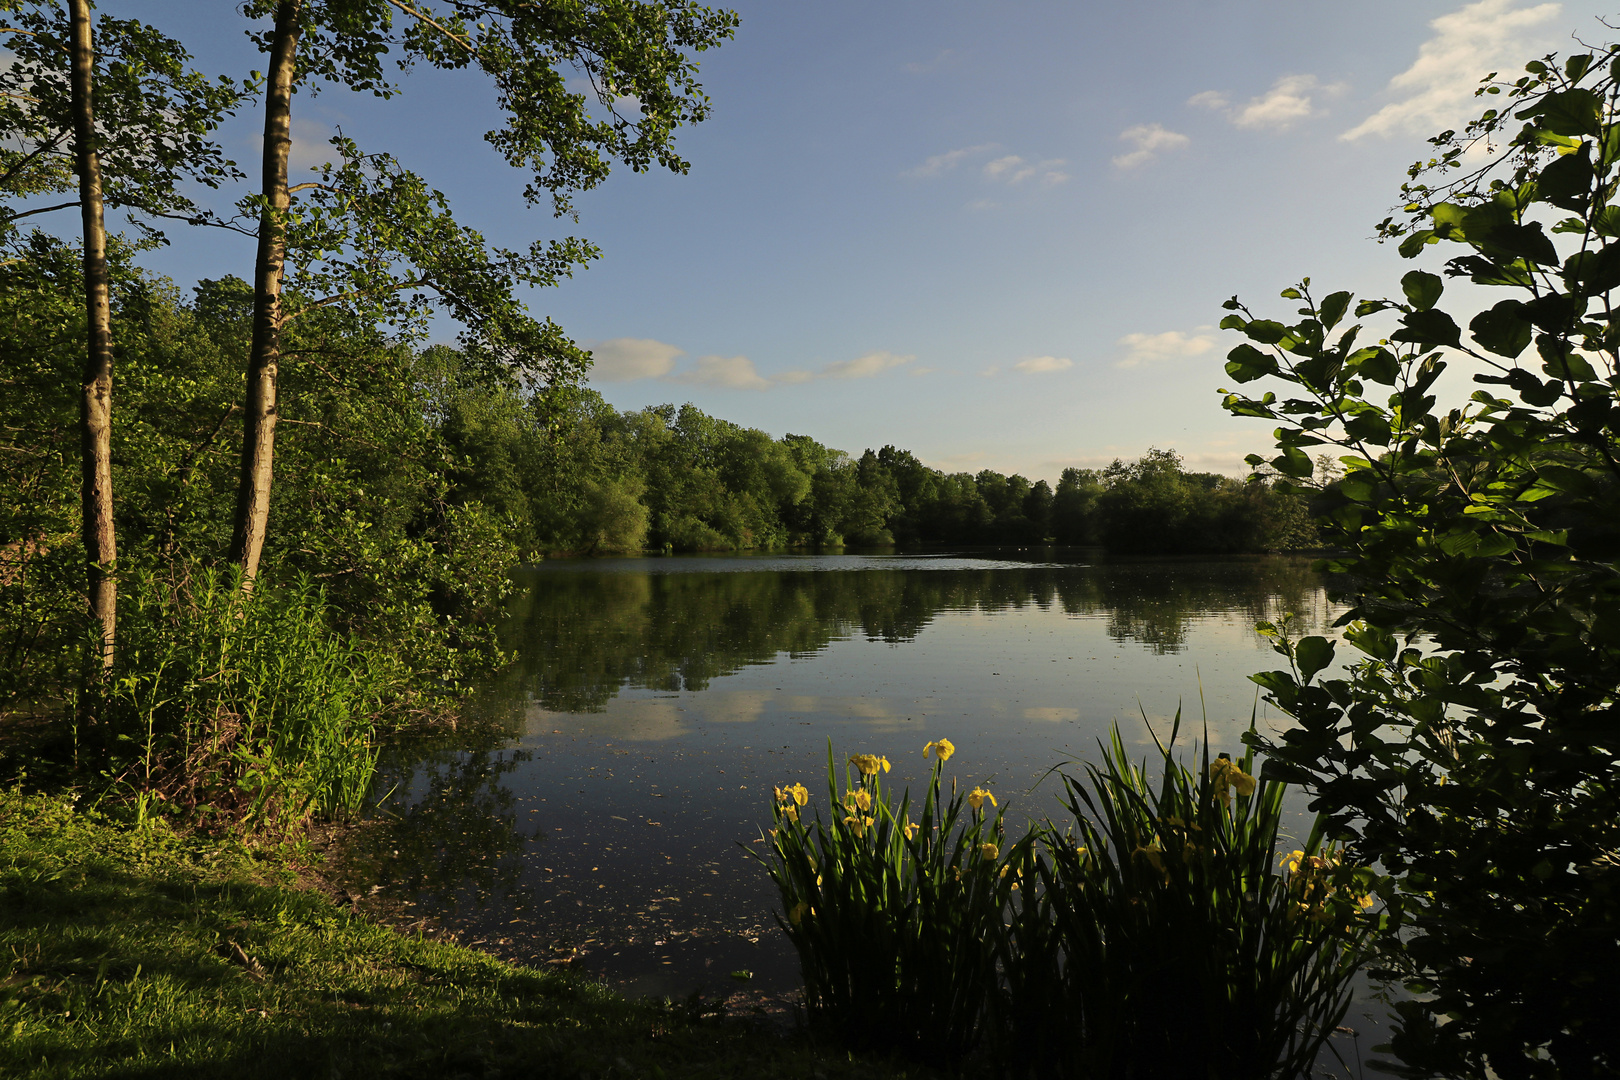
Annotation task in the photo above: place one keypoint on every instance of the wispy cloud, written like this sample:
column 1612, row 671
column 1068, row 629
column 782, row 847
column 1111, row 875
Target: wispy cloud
column 915, row 68
column 1036, row 365
column 1290, row 100
column 628, row 359
column 864, row 367
column 1437, row 91
column 311, row 145
column 1009, row 169
column 950, row 159
column 624, row 359
column 724, row 372
column 1149, row 140
column 1143, row 349
column 1013, row 169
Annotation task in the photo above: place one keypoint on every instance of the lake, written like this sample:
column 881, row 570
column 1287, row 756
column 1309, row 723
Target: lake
column 655, row 702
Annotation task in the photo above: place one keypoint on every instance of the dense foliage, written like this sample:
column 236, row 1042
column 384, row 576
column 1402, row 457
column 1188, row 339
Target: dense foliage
column 1471, row 748
column 594, row 479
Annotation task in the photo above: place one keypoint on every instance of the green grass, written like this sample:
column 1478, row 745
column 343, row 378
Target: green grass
column 134, row 952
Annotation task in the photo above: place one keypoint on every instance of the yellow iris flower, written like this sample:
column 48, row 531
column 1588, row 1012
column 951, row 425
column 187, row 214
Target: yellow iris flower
column 941, row 749
column 869, row 764
column 989, row 851
column 978, row 795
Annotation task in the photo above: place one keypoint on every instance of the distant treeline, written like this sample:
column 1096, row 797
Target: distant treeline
column 594, row 479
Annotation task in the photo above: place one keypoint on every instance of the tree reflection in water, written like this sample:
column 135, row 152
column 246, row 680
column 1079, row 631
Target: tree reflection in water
column 582, row 637
column 446, row 830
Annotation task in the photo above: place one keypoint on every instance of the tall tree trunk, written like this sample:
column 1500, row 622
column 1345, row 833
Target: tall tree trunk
column 95, row 403
column 259, row 419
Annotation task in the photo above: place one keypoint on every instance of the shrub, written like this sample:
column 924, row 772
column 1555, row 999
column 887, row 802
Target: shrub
column 246, row 705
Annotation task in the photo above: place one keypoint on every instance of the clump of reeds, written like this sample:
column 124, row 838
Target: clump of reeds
column 245, row 705
column 1159, row 937
column 893, row 919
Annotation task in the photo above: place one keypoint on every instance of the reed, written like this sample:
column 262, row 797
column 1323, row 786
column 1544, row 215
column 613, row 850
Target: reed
column 1158, row 937
column 247, row 707
column 892, row 918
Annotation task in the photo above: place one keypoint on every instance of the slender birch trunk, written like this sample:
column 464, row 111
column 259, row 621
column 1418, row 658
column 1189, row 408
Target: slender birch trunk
column 95, row 403
column 259, row 413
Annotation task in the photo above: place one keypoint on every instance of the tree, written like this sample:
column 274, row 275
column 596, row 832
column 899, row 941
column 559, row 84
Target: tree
column 68, row 109
column 372, row 237
column 1471, row 748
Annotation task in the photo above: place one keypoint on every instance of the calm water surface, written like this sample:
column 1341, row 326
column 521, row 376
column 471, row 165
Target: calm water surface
column 656, row 702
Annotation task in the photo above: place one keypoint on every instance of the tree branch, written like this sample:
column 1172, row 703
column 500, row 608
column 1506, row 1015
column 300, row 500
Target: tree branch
column 407, row 9
column 40, row 210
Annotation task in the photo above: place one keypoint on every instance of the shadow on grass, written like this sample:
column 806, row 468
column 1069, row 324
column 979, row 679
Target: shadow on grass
column 134, row 953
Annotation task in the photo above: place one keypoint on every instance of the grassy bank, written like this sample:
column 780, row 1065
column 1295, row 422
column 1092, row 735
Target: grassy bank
column 131, row 952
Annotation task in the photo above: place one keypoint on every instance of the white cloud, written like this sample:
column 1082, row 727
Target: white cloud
column 1437, row 91
column 739, row 373
column 1036, row 365
column 725, row 372
column 990, row 372
column 944, row 163
column 1158, row 348
column 311, row 146
column 863, row 367
column 627, row 359
column 1148, row 139
column 1209, row 99
column 1289, row 100
column 1013, row 169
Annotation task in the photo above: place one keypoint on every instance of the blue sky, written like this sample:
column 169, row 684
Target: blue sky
column 996, row 234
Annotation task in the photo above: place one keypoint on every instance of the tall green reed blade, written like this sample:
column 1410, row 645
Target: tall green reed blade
column 1188, row 954
column 892, row 919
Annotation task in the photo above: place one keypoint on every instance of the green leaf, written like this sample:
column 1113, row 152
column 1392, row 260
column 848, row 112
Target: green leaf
column 1369, row 426
column 1266, row 331
column 1422, row 288
column 1502, row 329
column 1247, row 363
column 1532, row 391
column 1375, row 641
column 1606, row 222
column 1594, row 272
column 1414, row 243
column 1312, row 654
column 1333, row 308
column 1521, row 242
column 1577, row 111
column 1375, row 363
column 1294, row 462
column 1428, row 328
column 1564, row 478
column 1566, row 182
column 1561, row 361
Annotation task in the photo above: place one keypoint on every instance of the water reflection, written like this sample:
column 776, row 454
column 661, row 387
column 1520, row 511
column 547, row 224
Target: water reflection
column 674, row 625
column 654, row 703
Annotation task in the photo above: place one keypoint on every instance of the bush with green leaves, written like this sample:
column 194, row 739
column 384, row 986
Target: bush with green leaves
column 1471, row 748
